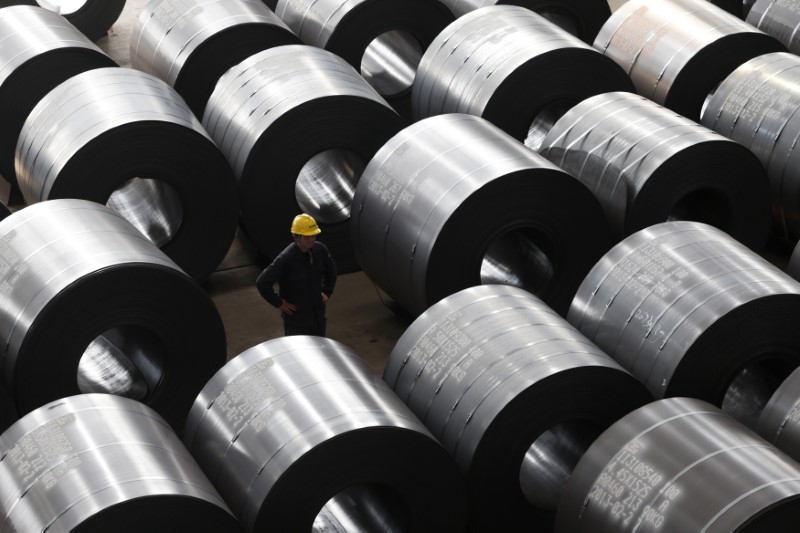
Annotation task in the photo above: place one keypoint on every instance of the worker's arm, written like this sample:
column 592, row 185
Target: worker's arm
column 265, row 283
column 329, row 276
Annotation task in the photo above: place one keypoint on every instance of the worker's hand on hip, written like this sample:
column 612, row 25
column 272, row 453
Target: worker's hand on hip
column 288, row 308
column 324, row 298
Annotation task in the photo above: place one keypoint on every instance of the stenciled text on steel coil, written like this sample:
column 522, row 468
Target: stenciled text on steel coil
column 92, row 17
column 757, row 106
column 191, row 43
column 502, row 381
column 512, row 67
column 779, row 18
column 91, row 305
column 298, row 125
column 300, row 423
column 690, row 311
column 126, row 138
column 677, row 51
column 38, row 51
column 96, row 462
column 779, row 422
column 452, row 201
column 681, row 464
column 647, row 164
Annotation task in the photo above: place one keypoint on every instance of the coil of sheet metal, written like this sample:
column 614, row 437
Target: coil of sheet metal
column 96, row 462
column 681, row 464
column 452, row 201
column 478, row 367
column 123, row 137
column 757, row 106
column 512, row 67
column 92, row 17
column 383, row 39
column 299, row 423
column 779, row 18
column 191, row 43
column 740, row 8
column 38, row 51
column 91, row 305
column 692, row 312
column 779, row 422
column 647, row 164
column 298, row 125
column 677, row 51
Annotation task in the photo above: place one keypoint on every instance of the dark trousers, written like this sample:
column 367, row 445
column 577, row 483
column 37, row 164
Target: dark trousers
column 304, row 329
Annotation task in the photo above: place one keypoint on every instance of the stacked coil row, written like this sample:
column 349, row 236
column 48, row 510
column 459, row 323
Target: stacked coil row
column 93, row 18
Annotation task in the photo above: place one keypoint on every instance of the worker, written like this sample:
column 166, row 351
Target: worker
column 306, row 274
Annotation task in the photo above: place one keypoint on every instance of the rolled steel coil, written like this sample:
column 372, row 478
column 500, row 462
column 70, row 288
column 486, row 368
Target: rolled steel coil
column 779, row 18
column 677, row 51
column 692, row 312
column 477, row 367
column 191, row 43
column 740, row 8
column 299, row 423
column 297, row 125
column 123, row 137
column 757, row 106
column 779, row 422
column 383, row 39
column 681, row 464
column 38, row 51
column 97, row 462
column 91, row 305
column 452, row 201
column 92, row 17
column 580, row 18
column 647, row 164
column 512, row 67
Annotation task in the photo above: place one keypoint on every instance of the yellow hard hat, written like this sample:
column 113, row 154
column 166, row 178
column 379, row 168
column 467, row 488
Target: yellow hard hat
column 304, row 224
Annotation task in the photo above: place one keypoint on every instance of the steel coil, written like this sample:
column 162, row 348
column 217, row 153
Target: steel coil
column 38, row 51
column 779, row 18
column 680, row 465
column 91, row 305
column 297, row 125
column 383, row 39
column 580, row 18
column 677, row 51
column 692, row 312
column 512, row 67
column 452, row 202
column 123, row 137
column 647, row 164
column 779, row 422
column 757, row 106
column 97, row 462
column 92, row 17
column 191, row 43
column 740, row 8
column 299, row 423
column 477, row 367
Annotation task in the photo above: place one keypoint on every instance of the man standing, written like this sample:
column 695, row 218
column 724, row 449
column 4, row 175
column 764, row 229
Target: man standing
column 306, row 275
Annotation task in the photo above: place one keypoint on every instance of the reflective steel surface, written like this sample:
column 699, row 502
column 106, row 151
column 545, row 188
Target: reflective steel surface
column 779, row 18
column 390, row 62
column 779, row 422
column 327, row 183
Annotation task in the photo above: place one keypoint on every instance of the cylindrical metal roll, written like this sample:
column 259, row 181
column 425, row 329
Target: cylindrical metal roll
column 91, row 305
column 38, row 51
column 647, row 164
column 92, row 17
column 299, row 423
column 97, row 462
column 512, row 67
column 779, row 422
column 452, row 202
column 298, row 125
column 757, row 106
column 681, row 464
column 740, row 8
column 477, row 369
column 383, row 39
column 677, row 51
column 779, row 18
column 692, row 312
column 125, row 138
column 191, row 43
column 580, row 18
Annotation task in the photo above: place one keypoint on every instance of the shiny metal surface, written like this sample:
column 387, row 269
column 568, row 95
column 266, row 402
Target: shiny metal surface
column 477, row 368
column 152, row 206
column 679, row 465
column 687, row 309
column 756, row 106
column 326, row 185
column 62, row 7
column 390, row 62
column 676, row 51
column 779, row 18
column 104, row 463
column 779, row 421
column 300, row 419
column 647, row 164
column 452, row 201
column 104, row 368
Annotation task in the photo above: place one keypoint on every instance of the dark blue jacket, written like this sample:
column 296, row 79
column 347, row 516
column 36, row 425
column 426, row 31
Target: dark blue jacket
column 301, row 278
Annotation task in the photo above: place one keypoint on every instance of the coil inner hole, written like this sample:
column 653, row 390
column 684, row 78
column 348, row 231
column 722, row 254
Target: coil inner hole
column 709, row 206
column 63, row 7
column 752, row 387
column 544, row 121
column 367, row 507
column 390, row 62
column 152, row 206
column 519, row 258
column 563, row 21
column 327, row 183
